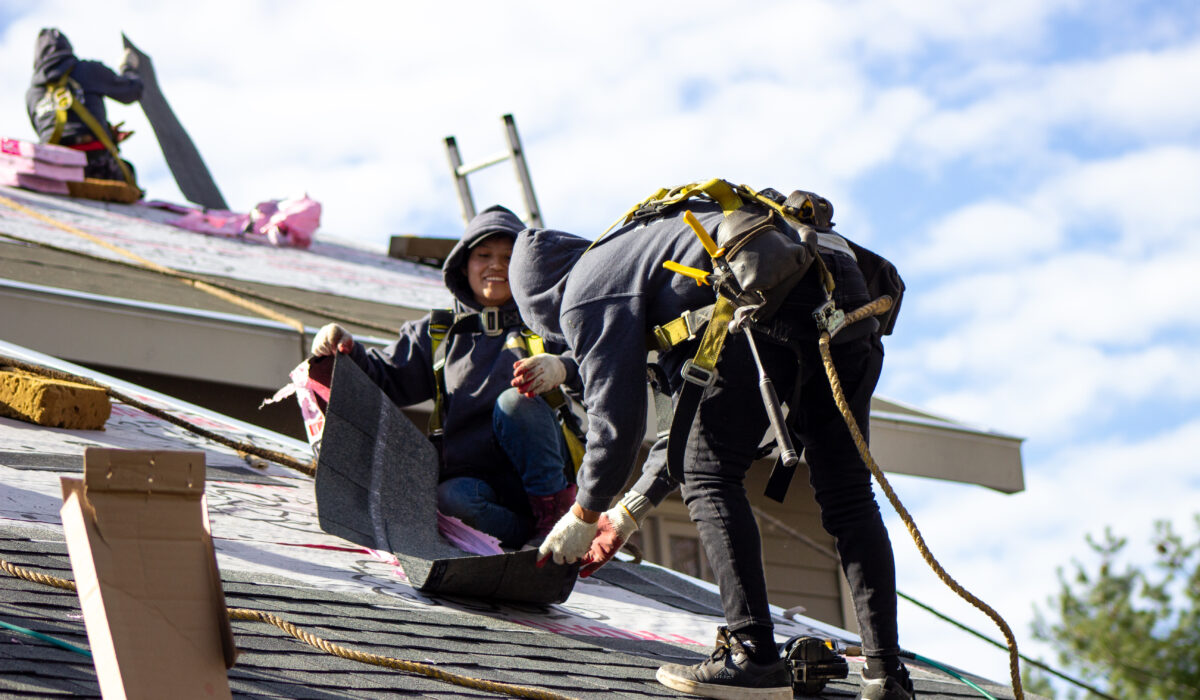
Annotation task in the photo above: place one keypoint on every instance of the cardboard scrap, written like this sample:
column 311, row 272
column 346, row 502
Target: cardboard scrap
column 105, row 190
column 52, row 402
column 141, row 549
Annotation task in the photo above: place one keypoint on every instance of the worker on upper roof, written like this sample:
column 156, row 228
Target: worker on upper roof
column 503, row 453
column 89, row 82
column 603, row 303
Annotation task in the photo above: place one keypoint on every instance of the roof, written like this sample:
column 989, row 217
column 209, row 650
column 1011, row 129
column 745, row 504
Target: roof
column 58, row 262
column 605, row 641
column 65, row 291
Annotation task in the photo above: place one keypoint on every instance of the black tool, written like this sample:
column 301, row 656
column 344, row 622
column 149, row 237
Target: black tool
column 813, row 662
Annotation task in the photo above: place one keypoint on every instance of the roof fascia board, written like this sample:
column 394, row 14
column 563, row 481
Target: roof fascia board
column 149, row 337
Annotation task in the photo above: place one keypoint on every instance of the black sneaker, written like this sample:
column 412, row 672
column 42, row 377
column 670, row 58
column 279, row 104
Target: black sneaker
column 729, row 674
column 887, row 688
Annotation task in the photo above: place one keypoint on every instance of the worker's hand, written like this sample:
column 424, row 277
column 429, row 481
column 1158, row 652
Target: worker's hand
column 128, row 61
column 332, row 339
column 616, row 526
column 568, row 541
column 538, row 374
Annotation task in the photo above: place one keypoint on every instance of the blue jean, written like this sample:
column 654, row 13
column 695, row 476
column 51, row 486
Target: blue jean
column 724, row 438
column 528, row 432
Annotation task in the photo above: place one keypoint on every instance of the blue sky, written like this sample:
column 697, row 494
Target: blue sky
column 1032, row 167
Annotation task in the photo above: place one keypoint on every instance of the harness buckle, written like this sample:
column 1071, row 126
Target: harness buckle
column 829, row 318
column 490, row 321
column 691, row 372
column 694, row 323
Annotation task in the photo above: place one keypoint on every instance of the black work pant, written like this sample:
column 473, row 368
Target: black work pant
column 724, row 440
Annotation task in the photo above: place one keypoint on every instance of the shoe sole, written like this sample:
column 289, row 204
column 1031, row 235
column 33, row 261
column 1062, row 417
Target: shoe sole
column 721, row 692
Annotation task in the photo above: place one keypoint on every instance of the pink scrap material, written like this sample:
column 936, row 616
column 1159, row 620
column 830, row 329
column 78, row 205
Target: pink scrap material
column 56, row 155
column 282, row 222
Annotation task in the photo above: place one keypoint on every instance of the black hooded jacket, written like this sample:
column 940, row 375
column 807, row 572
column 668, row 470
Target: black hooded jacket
column 602, row 305
column 478, row 367
column 53, row 58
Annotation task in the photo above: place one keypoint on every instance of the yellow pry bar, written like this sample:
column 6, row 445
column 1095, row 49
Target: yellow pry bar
column 706, row 240
column 700, row 276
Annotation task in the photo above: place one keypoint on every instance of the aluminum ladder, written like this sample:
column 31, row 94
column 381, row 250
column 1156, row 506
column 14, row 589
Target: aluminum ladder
column 533, row 215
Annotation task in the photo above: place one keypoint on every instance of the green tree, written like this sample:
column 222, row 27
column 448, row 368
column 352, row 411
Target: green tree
column 1133, row 632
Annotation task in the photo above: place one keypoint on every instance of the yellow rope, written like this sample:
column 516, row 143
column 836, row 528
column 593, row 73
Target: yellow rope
column 881, row 305
column 245, row 614
column 170, row 272
column 233, row 289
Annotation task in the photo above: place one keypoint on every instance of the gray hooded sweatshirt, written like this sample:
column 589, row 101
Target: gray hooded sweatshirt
column 603, row 305
column 53, row 58
column 478, row 367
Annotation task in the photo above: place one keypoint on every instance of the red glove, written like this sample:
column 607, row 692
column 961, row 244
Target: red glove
column 615, row 527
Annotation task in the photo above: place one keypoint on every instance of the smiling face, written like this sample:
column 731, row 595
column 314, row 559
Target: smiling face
column 487, row 271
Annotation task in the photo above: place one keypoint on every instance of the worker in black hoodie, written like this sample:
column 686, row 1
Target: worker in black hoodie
column 603, row 300
column 503, row 453
column 89, row 83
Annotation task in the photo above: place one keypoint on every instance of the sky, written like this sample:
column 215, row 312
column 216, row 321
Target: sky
column 1031, row 167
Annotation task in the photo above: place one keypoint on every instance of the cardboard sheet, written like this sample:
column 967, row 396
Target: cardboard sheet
column 142, row 553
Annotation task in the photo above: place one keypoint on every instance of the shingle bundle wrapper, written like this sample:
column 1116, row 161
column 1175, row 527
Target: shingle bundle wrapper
column 52, row 402
column 39, row 166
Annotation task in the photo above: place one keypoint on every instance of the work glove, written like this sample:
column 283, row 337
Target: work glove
column 128, row 62
column 538, row 374
column 568, row 541
column 331, row 339
column 615, row 527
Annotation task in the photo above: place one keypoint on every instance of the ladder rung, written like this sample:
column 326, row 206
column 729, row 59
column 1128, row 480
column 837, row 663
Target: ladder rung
column 468, row 169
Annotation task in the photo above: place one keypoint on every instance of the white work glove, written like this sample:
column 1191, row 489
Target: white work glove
column 128, row 60
column 538, row 374
column 568, row 541
column 332, row 339
column 615, row 527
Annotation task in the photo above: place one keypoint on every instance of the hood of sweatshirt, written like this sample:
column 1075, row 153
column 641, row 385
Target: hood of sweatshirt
column 542, row 259
column 493, row 221
column 52, row 57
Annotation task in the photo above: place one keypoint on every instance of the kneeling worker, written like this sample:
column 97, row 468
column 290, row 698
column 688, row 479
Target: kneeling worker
column 503, row 453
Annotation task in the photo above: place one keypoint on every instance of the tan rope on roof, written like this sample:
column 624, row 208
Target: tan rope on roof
column 170, row 272
column 242, row 446
column 278, row 301
column 248, row 615
column 879, row 306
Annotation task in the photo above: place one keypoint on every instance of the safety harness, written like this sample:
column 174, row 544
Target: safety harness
column 492, row 321
column 65, row 94
column 754, row 267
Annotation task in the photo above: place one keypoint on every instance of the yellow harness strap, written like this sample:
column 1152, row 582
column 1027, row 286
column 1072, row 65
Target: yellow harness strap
column 534, row 345
column 63, row 100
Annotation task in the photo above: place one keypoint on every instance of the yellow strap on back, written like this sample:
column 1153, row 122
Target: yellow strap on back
column 64, row 100
column 60, row 95
column 714, row 335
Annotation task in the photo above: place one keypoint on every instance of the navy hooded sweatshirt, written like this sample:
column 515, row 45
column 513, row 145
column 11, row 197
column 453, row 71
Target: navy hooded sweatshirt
column 603, row 305
column 478, row 367
column 53, row 58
